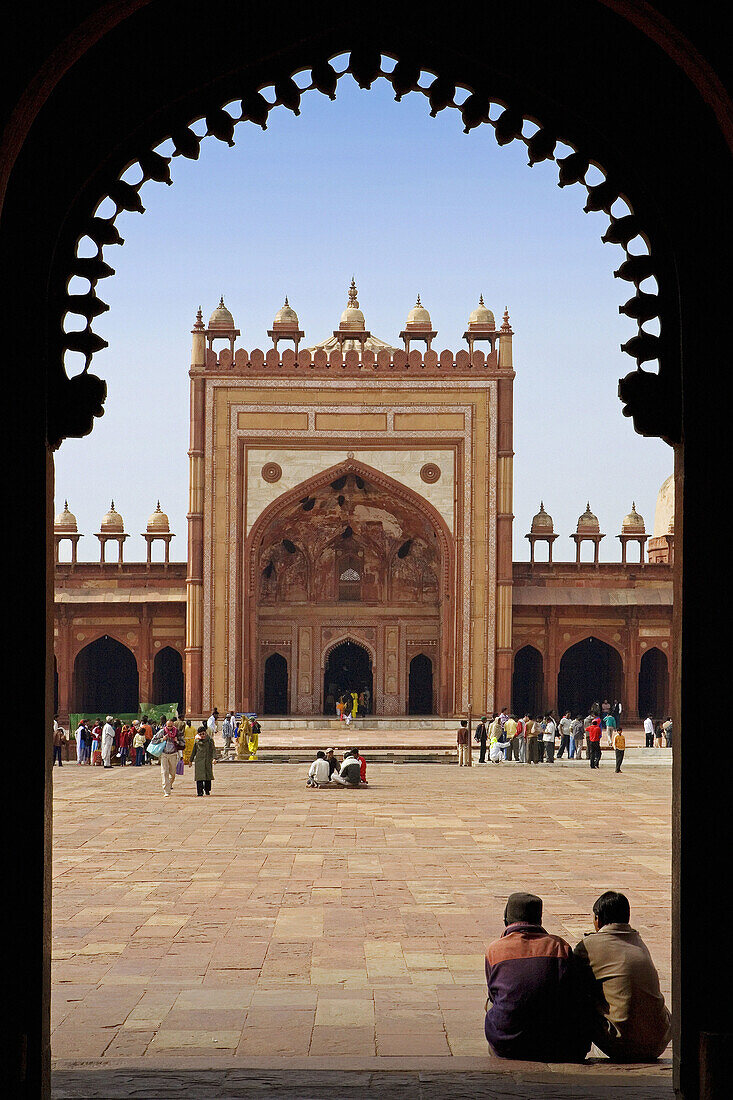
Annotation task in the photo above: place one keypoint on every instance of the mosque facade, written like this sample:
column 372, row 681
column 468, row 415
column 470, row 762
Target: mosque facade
column 350, row 527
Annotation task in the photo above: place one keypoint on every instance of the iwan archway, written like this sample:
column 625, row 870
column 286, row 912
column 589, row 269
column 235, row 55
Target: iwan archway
column 351, row 573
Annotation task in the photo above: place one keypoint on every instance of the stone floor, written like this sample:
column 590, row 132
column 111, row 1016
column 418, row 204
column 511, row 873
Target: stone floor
column 273, row 940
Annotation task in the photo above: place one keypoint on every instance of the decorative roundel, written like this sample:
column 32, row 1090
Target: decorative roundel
column 271, row 472
column 430, row 473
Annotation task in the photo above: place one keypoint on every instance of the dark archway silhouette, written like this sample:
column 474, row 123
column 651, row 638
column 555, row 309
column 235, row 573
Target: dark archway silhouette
column 348, row 668
column 654, row 684
column 528, row 682
column 420, row 685
column 590, row 672
column 105, row 678
column 168, row 680
column 275, row 689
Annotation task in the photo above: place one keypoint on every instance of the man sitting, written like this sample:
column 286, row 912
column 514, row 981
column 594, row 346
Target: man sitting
column 362, row 767
column 632, row 1023
column 319, row 774
column 350, row 773
column 534, row 988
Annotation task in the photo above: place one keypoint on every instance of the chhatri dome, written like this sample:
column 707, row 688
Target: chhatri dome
column 65, row 521
column 158, row 522
column 664, row 511
column 588, row 523
column 352, row 320
column 221, row 318
column 113, row 521
column 481, row 317
column 633, row 524
column 352, row 317
column 286, row 317
column 418, row 317
column 542, row 522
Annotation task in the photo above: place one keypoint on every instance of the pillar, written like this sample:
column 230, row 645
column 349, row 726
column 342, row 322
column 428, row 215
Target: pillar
column 145, row 658
column 504, row 521
column 195, row 572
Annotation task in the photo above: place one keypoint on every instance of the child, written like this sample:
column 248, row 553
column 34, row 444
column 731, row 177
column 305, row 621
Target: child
column 202, row 757
column 138, row 744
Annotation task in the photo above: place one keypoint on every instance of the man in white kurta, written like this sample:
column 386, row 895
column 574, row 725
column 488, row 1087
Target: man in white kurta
column 108, row 741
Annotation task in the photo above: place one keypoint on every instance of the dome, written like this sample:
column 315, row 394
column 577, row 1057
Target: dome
column 221, row 318
column 158, row 522
column 418, row 317
column 633, row 524
column 481, row 316
column 542, row 523
column 588, row 523
column 286, row 317
column 113, row 521
column 664, row 511
column 352, row 317
column 65, row 521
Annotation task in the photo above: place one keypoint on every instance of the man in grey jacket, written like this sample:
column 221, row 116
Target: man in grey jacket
column 632, row 1023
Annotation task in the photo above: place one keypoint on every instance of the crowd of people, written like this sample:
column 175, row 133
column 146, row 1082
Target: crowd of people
column 349, row 705
column 549, row 1002
column 327, row 771
column 526, row 740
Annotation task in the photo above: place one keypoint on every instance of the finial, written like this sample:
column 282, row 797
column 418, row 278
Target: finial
column 353, row 302
column 287, row 303
column 417, row 303
column 199, row 322
column 157, row 507
column 505, row 322
column 542, row 506
column 221, row 300
column 480, row 299
column 113, row 507
column 66, row 505
column 587, row 506
column 633, row 506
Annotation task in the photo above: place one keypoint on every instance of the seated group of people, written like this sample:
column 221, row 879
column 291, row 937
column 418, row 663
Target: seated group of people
column 325, row 771
column 549, row 1002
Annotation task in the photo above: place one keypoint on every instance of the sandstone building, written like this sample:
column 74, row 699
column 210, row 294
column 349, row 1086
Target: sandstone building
column 350, row 524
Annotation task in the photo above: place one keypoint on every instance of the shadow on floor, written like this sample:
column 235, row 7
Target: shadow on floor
column 229, row 1084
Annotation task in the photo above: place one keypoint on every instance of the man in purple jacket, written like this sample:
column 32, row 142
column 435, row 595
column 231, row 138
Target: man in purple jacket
column 537, row 1010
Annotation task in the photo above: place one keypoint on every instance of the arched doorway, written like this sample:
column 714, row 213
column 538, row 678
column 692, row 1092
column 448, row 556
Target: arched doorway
column 653, row 684
column 527, row 682
column 275, row 688
column 348, row 668
column 590, row 672
column 105, row 678
column 168, row 685
column 420, row 685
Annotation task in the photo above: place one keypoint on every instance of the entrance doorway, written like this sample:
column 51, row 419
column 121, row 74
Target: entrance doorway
column 590, row 672
column 653, row 678
column 106, row 678
column 276, row 685
column 527, row 682
column 348, row 668
column 168, row 685
column 420, row 685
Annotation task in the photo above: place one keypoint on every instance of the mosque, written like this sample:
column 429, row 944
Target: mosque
column 350, row 526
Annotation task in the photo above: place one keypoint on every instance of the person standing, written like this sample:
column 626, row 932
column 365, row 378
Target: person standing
column 124, row 744
column 481, row 738
column 354, row 705
column 227, row 731
column 173, row 749
column 512, row 738
column 594, row 742
column 80, row 732
column 565, row 726
column 108, row 741
column 253, row 738
column 619, row 747
column 212, row 722
column 147, row 731
column 658, row 735
column 667, row 727
column 550, row 729
column 577, row 737
column 530, row 740
column 96, row 738
column 202, row 757
column 609, row 724
column 462, row 742
column 367, row 700
column 648, row 732
column 138, row 744
column 59, row 740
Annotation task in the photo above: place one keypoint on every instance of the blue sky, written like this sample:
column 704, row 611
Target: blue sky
column 366, row 186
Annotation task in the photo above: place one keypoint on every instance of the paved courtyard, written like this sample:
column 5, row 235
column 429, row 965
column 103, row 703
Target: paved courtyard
column 231, row 945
